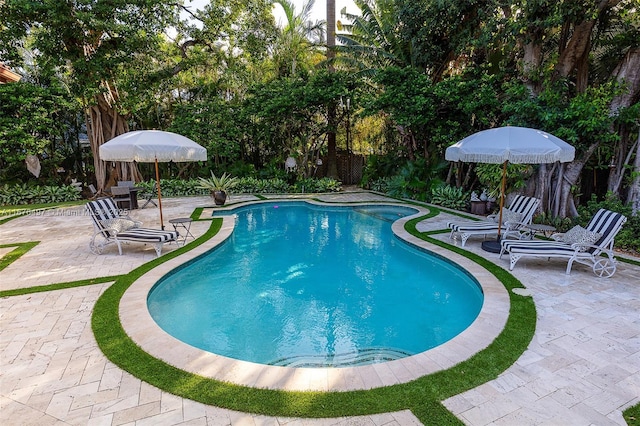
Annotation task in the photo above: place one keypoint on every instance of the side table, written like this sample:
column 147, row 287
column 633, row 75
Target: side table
column 478, row 207
column 185, row 224
column 540, row 228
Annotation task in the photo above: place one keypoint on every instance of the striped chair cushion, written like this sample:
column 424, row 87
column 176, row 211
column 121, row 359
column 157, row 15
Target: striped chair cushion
column 546, row 248
column 147, row 235
column 523, row 206
column 605, row 223
column 473, row 226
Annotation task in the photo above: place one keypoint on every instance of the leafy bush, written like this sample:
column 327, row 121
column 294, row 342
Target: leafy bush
column 490, row 176
column 414, row 180
column 562, row 224
column 317, row 185
column 450, row 197
column 397, row 187
column 379, row 167
column 245, row 185
column 380, row 184
column 174, row 187
column 27, row 194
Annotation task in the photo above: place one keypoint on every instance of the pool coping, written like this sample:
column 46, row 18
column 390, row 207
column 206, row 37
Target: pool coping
column 142, row 329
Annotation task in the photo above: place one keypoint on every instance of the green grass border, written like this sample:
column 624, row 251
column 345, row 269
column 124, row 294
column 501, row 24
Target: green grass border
column 57, row 286
column 13, row 255
column 422, row 396
column 499, row 355
column 632, row 415
column 628, row 260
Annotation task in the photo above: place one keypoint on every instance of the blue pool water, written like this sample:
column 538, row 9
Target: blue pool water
column 300, row 285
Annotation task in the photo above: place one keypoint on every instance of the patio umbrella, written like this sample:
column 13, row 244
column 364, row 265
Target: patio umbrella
column 502, row 145
column 152, row 146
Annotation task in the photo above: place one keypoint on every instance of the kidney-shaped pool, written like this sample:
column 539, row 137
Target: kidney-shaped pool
column 307, row 286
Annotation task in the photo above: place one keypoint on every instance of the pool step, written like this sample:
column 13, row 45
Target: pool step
column 352, row 359
column 386, row 213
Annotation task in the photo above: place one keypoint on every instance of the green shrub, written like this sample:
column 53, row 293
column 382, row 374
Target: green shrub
column 380, row 184
column 245, row 185
column 27, row 194
column 311, row 185
column 174, row 187
column 450, row 197
column 562, row 224
column 380, row 167
column 414, row 179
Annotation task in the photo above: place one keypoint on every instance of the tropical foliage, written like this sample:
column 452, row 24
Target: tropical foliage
column 11, row 195
column 419, row 75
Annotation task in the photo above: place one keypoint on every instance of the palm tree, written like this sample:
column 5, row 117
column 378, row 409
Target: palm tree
column 332, row 162
column 298, row 38
column 372, row 41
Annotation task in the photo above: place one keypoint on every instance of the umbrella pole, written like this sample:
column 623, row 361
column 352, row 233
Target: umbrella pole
column 159, row 194
column 491, row 245
column 502, row 190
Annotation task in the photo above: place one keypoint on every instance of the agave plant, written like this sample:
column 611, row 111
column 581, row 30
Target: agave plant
column 218, row 186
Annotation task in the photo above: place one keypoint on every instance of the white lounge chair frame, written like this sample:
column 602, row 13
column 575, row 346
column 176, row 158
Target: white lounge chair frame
column 526, row 206
column 598, row 256
column 105, row 208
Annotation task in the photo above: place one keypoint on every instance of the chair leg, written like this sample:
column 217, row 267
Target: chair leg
column 148, row 201
column 569, row 265
column 158, row 248
column 513, row 258
column 463, row 239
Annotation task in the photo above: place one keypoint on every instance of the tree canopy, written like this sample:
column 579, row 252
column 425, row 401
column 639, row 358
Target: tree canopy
column 422, row 75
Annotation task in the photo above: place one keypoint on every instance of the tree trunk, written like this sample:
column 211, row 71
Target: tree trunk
column 627, row 72
column 104, row 122
column 570, row 176
column 621, row 156
column 332, row 166
column 575, row 50
column 531, row 64
column 573, row 56
column 634, row 190
column 540, row 191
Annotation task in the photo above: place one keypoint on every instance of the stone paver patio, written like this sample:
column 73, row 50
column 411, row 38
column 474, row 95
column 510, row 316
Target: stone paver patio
column 581, row 368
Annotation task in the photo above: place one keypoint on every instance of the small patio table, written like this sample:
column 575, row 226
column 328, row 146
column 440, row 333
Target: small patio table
column 185, row 224
column 540, row 228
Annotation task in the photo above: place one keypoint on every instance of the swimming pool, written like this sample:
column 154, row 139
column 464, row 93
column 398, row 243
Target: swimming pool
column 299, row 285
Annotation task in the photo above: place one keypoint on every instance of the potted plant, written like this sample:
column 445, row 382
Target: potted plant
column 218, row 187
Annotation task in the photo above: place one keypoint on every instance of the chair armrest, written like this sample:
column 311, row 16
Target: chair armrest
column 557, row 236
column 106, row 232
column 580, row 247
column 510, row 225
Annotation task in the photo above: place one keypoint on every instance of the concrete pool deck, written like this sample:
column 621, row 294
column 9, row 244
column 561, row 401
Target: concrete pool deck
column 582, row 366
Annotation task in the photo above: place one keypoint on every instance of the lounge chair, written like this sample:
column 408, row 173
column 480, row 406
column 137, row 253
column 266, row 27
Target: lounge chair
column 111, row 227
column 515, row 219
column 591, row 243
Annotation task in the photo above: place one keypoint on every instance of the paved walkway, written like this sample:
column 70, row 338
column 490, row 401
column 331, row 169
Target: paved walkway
column 582, row 367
